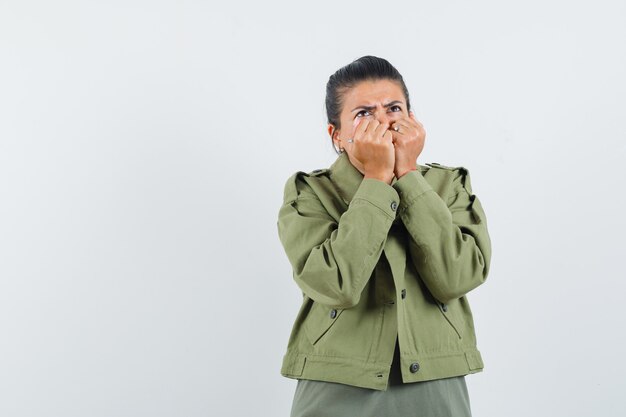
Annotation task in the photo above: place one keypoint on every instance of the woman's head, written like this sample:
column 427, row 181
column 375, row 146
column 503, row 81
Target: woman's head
column 367, row 87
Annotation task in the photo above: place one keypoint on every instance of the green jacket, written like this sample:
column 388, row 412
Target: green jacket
column 375, row 261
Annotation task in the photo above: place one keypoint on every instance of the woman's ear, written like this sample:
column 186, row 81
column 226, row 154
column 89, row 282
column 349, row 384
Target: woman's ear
column 332, row 132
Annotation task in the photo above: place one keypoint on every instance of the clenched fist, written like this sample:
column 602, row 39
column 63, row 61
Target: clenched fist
column 372, row 147
column 408, row 141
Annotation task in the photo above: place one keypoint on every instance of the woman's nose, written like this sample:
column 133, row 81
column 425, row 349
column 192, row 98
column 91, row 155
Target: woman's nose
column 383, row 118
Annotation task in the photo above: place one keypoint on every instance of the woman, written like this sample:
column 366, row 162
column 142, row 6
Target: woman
column 384, row 251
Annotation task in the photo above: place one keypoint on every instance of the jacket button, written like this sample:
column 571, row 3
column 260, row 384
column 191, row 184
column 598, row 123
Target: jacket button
column 403, row 293
column 333, row 313
column 414, row 367
column 394, row 205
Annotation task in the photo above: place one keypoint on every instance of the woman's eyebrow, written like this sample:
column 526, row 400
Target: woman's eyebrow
column 373, row 107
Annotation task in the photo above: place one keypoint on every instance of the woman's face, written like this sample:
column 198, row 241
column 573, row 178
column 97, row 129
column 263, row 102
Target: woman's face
column 380, row 99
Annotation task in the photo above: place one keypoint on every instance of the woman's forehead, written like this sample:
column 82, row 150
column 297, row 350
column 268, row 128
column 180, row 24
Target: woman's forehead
column 370, row 93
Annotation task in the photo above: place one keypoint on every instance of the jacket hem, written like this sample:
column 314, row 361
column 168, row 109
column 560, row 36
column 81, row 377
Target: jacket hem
column 375, row 376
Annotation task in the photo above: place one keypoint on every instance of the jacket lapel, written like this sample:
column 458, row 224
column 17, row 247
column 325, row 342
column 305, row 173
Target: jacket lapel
column 347, row 178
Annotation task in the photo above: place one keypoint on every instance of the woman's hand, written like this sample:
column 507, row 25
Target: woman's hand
column 373, row 148
column 408, row 143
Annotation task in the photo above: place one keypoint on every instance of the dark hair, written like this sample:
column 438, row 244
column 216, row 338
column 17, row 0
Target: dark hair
column 366, row 68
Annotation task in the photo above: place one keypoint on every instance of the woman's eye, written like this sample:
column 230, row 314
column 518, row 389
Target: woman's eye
column 362, row 111
column 397, row 107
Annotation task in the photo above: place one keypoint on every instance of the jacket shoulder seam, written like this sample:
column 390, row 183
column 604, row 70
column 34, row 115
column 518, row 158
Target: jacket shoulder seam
column 446, row 167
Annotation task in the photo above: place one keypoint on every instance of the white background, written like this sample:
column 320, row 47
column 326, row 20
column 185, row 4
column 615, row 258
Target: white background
column 143, row 151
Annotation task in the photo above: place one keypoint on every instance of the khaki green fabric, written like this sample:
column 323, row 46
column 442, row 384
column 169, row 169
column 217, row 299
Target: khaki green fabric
column 376, row 261
column 445, row 397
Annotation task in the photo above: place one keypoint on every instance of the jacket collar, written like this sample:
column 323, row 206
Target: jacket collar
column 346, row 177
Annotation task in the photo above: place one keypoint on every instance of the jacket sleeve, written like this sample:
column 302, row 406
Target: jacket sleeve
column 448, row 240
column 332, row 261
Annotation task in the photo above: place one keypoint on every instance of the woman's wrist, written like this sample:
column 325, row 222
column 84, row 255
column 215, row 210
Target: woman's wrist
column 400, row 174
column 386, row 178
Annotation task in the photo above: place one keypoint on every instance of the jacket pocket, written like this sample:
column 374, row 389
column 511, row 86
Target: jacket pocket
column 319, row 320
column 449, row 316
